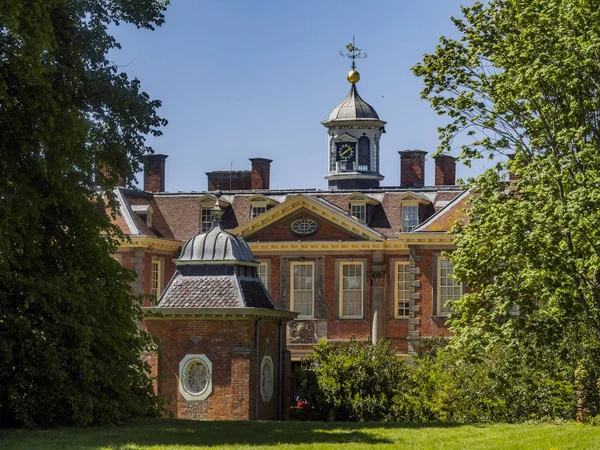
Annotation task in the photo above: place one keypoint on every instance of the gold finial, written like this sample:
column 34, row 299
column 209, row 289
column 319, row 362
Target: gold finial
column 353, row 53
column 353, row 76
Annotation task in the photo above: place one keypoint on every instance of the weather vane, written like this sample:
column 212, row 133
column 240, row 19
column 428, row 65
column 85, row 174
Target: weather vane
column 353, row 53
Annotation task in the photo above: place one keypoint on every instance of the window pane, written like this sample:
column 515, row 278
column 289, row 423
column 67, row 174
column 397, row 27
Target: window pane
column 351, row 290
column 449, row 289
column 402, row 290
column 410, row 218
column 302, row 289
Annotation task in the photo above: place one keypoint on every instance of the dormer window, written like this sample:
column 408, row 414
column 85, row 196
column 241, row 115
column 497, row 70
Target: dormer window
column 207, row 203
column 361, row 206
column 410, row 218
column 359, row 211
column 258, row 210
column 260, row 204
column 206, row 220
column 412, row 211
column 144, row 212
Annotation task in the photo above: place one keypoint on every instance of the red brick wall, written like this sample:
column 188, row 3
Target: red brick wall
column 280, row 231
column 230, row 346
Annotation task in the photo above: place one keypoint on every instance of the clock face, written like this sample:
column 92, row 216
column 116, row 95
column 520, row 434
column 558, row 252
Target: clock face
column 345, row 151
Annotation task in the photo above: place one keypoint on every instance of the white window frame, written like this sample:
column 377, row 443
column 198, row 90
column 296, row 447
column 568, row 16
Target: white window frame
column 446, row 287
column 258, row 210
column 359, row 211
column 156, row 277
column 342, row 291
column 409, row 225
column 267, row 269
column 405, row 291
column 206, row 220
column 293, row 291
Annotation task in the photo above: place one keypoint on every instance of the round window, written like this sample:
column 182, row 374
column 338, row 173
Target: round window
column 195, row 377
column 266, row 378
column 304, row 227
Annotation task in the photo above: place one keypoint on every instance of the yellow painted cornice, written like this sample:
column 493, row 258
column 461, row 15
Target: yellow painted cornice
column 296, row 203
column 151, row 242
column 389, row 245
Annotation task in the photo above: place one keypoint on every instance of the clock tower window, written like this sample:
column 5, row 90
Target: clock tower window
column 364, row 154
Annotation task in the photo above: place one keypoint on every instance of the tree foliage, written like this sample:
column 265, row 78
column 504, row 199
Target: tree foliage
column 524, row 78
column 69, row 344
column 353, row 380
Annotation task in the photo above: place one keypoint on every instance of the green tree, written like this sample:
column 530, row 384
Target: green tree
column 524, row 78
column 353, row 380
column 69, row 343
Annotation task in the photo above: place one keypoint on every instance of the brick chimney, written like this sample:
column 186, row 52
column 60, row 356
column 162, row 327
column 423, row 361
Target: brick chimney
column 512, row 176
column 154, row 172
column 445, row 170
column 105, row 172
column 412, row 168
column 261, row 173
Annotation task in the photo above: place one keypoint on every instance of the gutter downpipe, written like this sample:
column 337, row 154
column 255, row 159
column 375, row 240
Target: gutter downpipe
column 257, row 334
column 280, row 373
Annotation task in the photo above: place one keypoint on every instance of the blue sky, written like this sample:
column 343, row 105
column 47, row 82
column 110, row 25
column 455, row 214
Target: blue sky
column 241, row 79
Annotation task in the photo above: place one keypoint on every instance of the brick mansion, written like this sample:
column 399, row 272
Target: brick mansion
column 359, row 259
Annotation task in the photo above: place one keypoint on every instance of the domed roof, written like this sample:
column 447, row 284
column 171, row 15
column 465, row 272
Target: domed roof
column 353, row 108
column 216, row 245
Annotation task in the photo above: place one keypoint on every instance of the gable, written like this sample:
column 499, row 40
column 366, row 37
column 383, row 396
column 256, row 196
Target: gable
column 319, row 208
column 280, row 230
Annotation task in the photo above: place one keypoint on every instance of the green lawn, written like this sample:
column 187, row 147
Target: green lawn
column 184, row 434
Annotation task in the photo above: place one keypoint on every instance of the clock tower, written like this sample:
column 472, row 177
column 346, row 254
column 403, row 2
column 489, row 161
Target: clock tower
column 354, row 130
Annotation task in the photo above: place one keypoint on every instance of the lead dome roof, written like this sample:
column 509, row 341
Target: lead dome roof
column 353, row 108
column 217, row 245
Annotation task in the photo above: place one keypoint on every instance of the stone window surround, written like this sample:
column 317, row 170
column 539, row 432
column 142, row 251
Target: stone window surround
column 184, row 366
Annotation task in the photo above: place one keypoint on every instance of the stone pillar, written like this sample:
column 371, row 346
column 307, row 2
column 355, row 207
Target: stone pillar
column 377, row 299
column 414, row 319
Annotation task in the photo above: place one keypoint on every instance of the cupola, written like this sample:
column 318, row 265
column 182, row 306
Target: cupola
column 354, row 130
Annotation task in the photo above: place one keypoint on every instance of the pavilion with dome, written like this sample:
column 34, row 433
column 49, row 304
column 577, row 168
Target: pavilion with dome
column 222, row 352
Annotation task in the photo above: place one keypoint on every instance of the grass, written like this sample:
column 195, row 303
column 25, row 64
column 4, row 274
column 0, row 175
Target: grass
column 161, row 434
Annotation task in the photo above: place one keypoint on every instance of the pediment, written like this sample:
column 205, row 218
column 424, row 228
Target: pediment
column 208, row 200
column 334, row 223
column 359, row 197
column 345, row 137
column 411, row 197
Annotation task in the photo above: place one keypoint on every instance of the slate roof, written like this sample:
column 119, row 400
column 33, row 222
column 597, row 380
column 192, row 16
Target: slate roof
column 215, row 292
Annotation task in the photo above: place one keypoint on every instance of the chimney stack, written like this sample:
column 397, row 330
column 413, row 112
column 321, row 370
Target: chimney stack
column 106, row 173
column 445, row 170
column 412, row 168
column 512, row 176
column 154, row 172
column 261, row 173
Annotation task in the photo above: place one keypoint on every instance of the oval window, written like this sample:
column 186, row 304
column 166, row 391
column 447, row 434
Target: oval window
column 266, row 378
column 195, row 377
column 304, row 227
